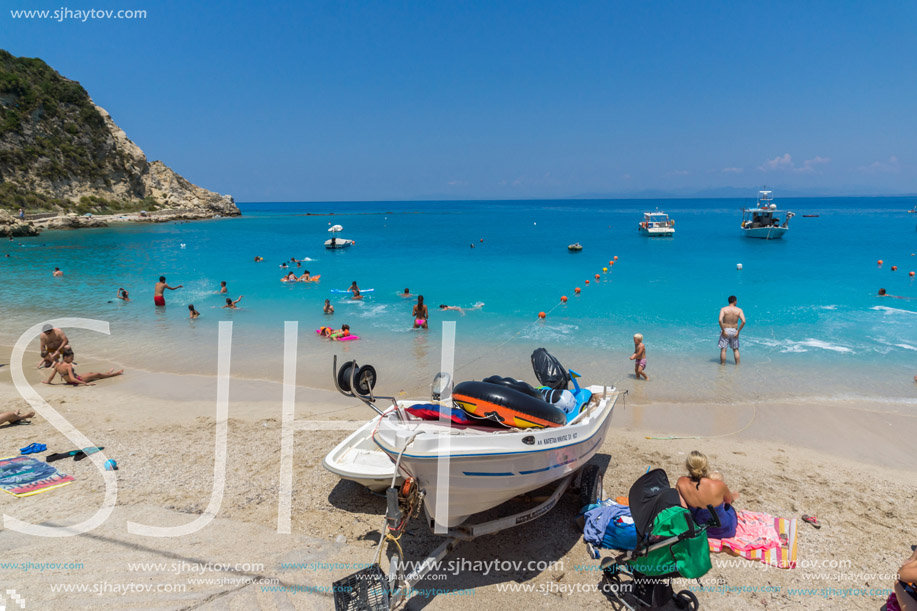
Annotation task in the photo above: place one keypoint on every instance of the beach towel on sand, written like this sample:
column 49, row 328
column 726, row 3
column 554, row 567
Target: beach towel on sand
column 25, row 476
column 762, row 537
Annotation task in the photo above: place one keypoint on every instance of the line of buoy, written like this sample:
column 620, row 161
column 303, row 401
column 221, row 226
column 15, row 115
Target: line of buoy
column 578, row 290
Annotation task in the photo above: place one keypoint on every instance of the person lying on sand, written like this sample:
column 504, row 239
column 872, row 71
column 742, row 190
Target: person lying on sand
column 906, row 586
column 53, row 342
column 15, row 417
column 704, row 487
column 70, row 376
column 232, row 304
column 122, row 295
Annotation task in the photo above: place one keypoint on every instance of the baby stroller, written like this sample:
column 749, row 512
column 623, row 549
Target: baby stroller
column 669, row 544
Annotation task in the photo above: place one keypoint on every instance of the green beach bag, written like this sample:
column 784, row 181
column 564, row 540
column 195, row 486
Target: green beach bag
column 690, row 557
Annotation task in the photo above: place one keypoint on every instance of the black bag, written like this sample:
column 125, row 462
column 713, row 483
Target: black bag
column 549, row 371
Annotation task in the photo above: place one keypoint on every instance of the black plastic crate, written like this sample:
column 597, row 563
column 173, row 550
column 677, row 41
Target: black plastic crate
column 365, row 590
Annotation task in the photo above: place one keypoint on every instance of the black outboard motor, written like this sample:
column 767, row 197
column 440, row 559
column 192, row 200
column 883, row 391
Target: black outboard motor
column 549, row 371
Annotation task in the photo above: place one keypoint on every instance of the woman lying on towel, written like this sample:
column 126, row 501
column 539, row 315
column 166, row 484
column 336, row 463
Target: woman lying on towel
column 703, row 487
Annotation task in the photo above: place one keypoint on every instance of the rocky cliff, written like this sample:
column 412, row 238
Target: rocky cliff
column 59, row 152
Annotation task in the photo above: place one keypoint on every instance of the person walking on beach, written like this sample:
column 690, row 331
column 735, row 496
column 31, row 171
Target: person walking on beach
column 52, row 341
column 730, row 329
column 57, row 273
column 639, row 358
column 420, row 314
column 232, row 304
column 70, row 376
column 159, row 290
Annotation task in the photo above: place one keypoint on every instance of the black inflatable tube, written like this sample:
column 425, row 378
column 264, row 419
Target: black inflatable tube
column 505, row 404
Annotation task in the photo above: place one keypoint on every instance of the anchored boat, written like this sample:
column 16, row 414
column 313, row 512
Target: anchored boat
column 763, row 221
column 656, row 225
column 336, row 242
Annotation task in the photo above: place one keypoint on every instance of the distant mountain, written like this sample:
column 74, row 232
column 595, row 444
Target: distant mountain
column 60, row 152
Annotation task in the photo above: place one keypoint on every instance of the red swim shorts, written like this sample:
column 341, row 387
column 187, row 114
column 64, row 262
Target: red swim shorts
column 159, row 300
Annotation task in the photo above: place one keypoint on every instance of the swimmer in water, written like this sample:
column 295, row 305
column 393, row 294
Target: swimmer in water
column 122, row 295
column 306, row 277
column 476, row 306
column 420, row 314
column 328, row 308
column 57, row 273
column 355, row 290
column 232, row 304
column 192, row 313
column 406, row 293
column 223, row 288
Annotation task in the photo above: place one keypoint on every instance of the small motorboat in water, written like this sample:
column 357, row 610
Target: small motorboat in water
column 656, row 225
column 763, row 221
column 336, row 242
column 575, row 247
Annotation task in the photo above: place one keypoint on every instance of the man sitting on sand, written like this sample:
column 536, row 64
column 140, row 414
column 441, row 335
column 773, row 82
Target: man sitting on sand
column 232, row 304
column 53, row 342
column 57, row 273
column 704, row 487
column 15, row 417
column 159, row 291
column 70, row 376
column 730, row 329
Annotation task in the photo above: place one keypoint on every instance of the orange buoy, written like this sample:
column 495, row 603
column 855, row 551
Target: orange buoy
column 604, row 269
column 615, row 257
column 597, row 276
column 611, row 263
column 911, row 274
column 880, row 261
column 541, row 314
column 563, row 299
column 587, row 282
column 894, row 268
column 576, row 290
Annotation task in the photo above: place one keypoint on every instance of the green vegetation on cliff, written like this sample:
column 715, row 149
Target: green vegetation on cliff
column 50, row 131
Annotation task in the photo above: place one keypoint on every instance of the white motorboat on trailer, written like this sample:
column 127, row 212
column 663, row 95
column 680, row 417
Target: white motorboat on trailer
column 336, row 242
column 656, row 225
column 456, row 467
column 763, row 221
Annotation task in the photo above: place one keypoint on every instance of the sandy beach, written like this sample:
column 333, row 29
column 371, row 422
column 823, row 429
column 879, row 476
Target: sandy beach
column 848, row 465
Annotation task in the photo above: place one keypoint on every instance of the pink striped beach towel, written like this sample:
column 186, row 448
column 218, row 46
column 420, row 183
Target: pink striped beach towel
column 762, row 537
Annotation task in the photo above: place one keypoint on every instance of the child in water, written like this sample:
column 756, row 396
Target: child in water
column 639, row 357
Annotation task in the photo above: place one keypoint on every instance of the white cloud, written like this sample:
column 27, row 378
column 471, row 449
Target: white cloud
column 785, row 163
column 777, row 163
column 882, row 167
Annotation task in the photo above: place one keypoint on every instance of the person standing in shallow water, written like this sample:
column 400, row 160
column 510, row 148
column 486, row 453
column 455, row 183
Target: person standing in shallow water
column 158, row 297
column 730, row 316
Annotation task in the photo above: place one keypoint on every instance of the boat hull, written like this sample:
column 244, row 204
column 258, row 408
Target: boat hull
column 359, row 460
column 658, row 232
column 466, row 472
column 765, row 233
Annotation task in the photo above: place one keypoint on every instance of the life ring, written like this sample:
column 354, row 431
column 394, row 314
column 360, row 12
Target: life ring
column 506, row 405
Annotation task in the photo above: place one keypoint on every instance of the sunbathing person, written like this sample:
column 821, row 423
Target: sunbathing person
column 703, row 487
column 334, row 335
column 15, row 417
column 70, row 376
column 906, row 586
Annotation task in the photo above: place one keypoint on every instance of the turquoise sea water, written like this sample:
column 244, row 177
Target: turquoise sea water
column 815, row 325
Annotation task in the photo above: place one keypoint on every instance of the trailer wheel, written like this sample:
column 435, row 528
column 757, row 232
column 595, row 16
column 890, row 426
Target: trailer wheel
column 591, row 485
column 686, row 600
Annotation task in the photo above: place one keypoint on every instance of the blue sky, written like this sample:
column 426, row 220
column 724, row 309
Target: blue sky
column 326, row 101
